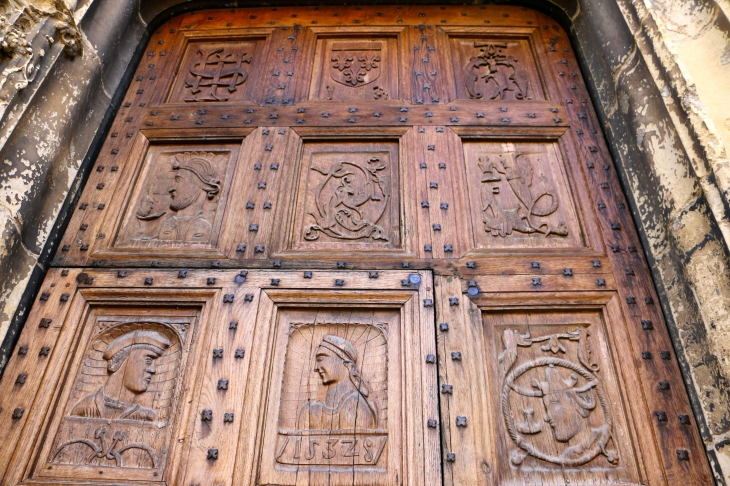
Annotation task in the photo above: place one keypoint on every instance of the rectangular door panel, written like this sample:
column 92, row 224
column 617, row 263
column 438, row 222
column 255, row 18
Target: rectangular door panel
column 540, row 388
column 273, row 376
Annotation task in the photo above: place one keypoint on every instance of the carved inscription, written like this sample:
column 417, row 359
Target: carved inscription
column 119, row 412
column 525, row 208
column 177, row 200
column 553, row 403
column 334, row 396
column 214, row 72
column 351, row 197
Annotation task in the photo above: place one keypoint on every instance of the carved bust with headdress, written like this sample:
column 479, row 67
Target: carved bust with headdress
column 131, row 363
column 193, row 175
column 348, row 404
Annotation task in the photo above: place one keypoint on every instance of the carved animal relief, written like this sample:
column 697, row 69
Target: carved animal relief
column 334, row 396
column 525, row 208
column 494, row 74
column 118, row 414
column 178, row 199
column 553, row 404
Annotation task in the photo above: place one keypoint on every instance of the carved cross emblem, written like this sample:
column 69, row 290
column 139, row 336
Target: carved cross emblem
column 216, row 69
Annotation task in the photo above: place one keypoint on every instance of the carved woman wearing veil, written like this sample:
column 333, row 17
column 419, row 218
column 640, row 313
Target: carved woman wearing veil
column 348, row 404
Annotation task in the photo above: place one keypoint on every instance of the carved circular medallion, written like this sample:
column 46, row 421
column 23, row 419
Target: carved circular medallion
column 567, row 408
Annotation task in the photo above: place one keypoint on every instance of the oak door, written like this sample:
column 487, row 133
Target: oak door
column 231, row 377
column 338, row 246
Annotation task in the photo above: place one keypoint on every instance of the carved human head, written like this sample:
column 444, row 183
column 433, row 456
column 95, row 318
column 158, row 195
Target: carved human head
column 334, row 359
column 565, row 409
column 135, row 354
column 192, row 175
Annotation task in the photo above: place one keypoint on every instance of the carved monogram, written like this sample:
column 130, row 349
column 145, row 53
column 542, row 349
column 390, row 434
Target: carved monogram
column 525, row 209
column 492, row 74
column 565, row 394
column 351, row 200
column 216, row 68
column 179, row 199
column 334, row 396
column 355, row 64
column 119, row 411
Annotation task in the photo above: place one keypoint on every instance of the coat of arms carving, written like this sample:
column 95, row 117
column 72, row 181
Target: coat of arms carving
column 355, row 64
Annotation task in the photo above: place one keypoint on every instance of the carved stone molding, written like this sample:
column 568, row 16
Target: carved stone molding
column 20, row 22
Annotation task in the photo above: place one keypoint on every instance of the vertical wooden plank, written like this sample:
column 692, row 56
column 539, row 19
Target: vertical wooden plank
column 218, row 415
column 427, row 374
column 284, row 66
column 459, row 378
column 36, row 353
column 429, row 74
column 264, row 167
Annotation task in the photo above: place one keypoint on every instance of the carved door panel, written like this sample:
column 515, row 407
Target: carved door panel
column 334, row 153
column 229, row 377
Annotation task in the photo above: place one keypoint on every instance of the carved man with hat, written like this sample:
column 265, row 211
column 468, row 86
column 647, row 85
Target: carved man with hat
column 131, row 361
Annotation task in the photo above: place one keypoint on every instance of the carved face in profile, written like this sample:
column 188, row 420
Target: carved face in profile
column 565, row 409
column 184, row 191
column 331, row 368
column 192, row 175
column 138, row 370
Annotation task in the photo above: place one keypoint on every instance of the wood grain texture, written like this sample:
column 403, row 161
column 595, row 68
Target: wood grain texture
column 263, row 163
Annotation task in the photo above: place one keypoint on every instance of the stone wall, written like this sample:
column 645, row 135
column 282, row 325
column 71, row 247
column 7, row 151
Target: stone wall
column 658, row 71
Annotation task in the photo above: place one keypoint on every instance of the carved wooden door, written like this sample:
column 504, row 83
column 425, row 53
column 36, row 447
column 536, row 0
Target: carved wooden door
column 329, row 246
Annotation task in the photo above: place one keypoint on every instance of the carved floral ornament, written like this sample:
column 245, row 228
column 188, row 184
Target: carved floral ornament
column 538, row 392
column 349, row 190
column 20, row 22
